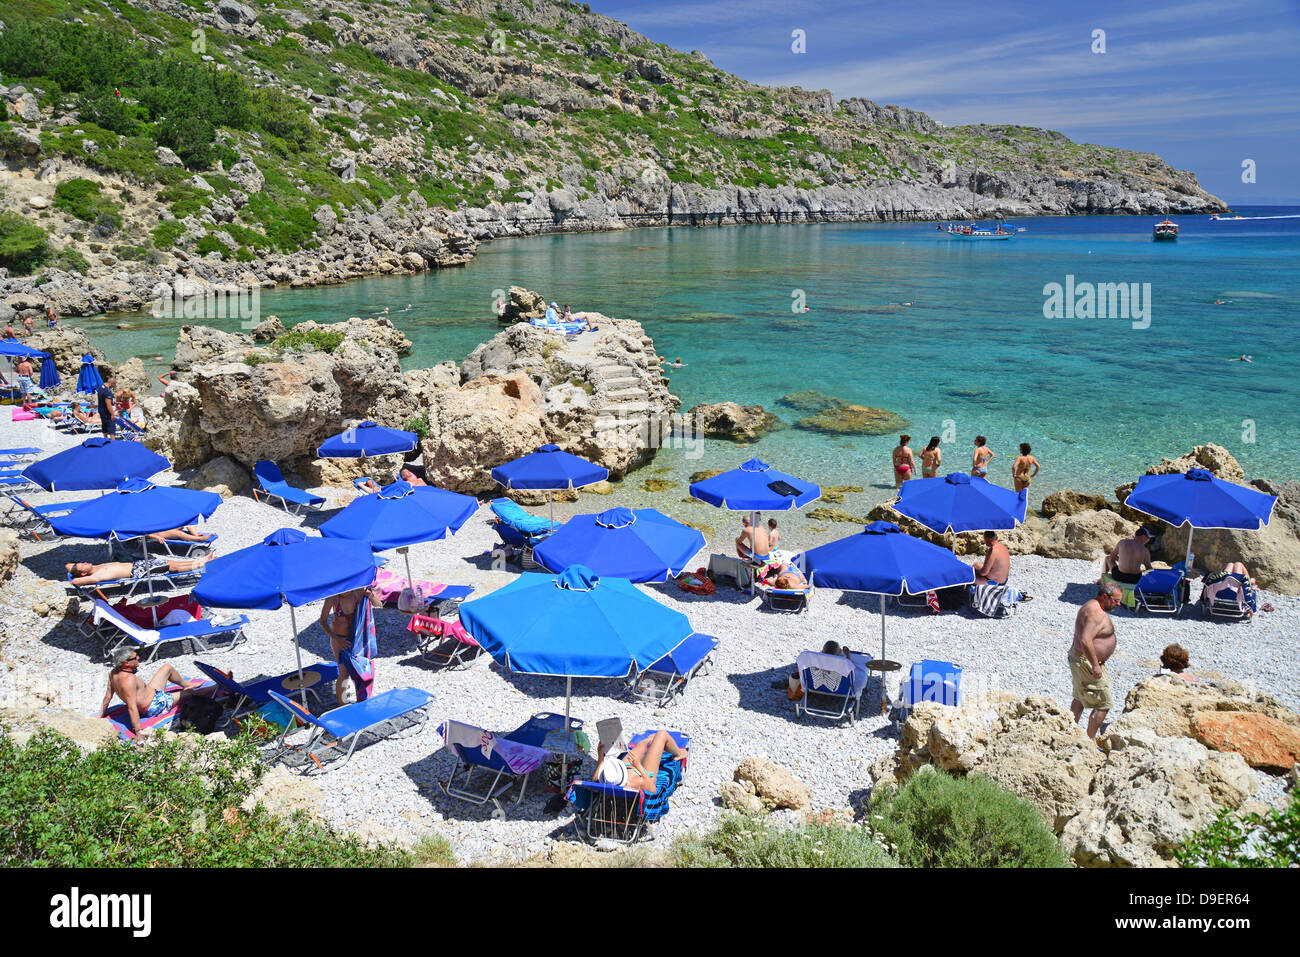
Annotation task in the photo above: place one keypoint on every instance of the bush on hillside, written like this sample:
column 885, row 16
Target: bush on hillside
column 937, row 820
column 1252, row 840
column 744, row 841
column 22, row 244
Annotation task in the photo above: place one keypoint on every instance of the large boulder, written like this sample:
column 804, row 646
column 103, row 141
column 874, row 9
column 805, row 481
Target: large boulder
column 132, row 377
column 175, row 430
column 1151, row 794
column 772, row 784
column 728, row 420
column 204, row 344
column 473, row 428
column 1263, row 741
column 66, row 345
column 522, row 304
column 1066, row 502
column 380, row 333
column 8, row 554
column 222, row 475
column 1168, row 705
column 1086, row 535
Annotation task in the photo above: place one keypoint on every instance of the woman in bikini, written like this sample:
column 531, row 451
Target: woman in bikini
column 336, row 621
column 979, row 465
column 638, row 767
column 931, row 456
column 904, row 463
column 1020, row 473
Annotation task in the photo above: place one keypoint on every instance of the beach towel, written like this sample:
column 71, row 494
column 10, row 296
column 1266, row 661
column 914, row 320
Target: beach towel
column 359, row 657
column 145, row 617
column 994, row 601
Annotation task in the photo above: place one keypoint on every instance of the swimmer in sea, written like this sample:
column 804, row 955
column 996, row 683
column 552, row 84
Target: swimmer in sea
column 408, row 308
column 1245, row 358
column 676, row 364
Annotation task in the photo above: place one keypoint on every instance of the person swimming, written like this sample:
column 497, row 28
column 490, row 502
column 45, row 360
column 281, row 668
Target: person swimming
column 408, row 308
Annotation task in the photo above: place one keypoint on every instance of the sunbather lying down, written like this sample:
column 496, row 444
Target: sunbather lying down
column 88, row 573
column 183, row 534
column 638, row 767
column 786, row 577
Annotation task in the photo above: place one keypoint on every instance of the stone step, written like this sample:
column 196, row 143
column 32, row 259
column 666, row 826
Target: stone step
column 619, row 395
column 626, row 408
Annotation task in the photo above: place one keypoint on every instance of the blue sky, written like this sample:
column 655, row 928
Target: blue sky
column 1204, row 83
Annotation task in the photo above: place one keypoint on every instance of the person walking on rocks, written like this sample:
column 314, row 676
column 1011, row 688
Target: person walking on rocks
column 1094, row 643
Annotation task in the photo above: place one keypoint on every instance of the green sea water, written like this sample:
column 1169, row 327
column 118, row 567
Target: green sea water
column 1099, row 398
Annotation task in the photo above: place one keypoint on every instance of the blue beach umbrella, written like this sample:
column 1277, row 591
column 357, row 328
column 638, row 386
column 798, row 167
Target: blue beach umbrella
column 136, row 508
column 13, row 349
column 49, row 374
column 960, row 503
column 749, row 488
column 287, row 567
column 1197, row 499
column 402, row 514
column 884, row 560
column 367, row 438
column 548, row 469
column 641, row 545
column 573, row 625
column 88, row 379
column 97, row 463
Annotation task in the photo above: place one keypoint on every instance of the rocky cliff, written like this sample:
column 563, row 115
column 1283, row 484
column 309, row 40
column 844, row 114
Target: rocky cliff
column 221, row 142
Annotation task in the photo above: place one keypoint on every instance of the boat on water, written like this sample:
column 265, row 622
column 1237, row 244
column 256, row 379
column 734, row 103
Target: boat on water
column 1165, row 231
column 1216, row 217
column 980, row 231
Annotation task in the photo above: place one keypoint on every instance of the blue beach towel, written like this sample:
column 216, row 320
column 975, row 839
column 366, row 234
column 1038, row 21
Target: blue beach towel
column 359, row 658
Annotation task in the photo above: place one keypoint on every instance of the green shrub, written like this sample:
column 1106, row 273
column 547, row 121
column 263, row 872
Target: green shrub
column 743, row 841
column 165, row 804
column 419, row 425
column 166, row 233
column 256, row 359
column 937, row 820
column 1253, row 840
column 71, row 260
column 308, row 339
column 82, row 198
column 22, row 244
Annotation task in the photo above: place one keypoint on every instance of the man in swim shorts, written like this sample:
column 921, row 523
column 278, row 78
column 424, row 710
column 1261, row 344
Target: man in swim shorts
column 143, row 700
column 753, row 544
column 1094, row 642
column 1131, row 557
column 88, row 573
column 996, row 567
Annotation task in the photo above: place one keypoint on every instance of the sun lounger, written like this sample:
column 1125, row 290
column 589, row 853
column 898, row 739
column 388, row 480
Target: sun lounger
column 269, row 477
column 346, row 724
column 126, row 429
column 120, row 719
column 1160, row 591
column 663, row 681
column 438, row 638
column 10, row 484
column 361, row 483
column 175, row 547
column 520, row 529
column 246, row 698
column 507, row 756
column 1228, row 596
column 994, row 601
column 27, row 452
column 440, row 599
column 832, row 684
column 115, row 630
column 784, row 599
column 150, row 584
column 608, row 812
column 930, row 680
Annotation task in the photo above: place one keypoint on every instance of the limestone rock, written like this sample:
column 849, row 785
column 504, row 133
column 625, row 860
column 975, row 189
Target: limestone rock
column 269, row 329
column 1263, row 741
column 810, row 401
column 222, row 475
column 175, row 429
column 474, row 428
column 234, row 12
column 282, row 792
column 728, row 420
column 523, row 304
column 1168, row 705
column 740, row 796
column 131, row 376
column 8, row 554
column 203, row 344
column 1066, row 502
column 853, row 420
column 1086, row 535
column 66, row 345
column 1151, row 794
column 774, row 785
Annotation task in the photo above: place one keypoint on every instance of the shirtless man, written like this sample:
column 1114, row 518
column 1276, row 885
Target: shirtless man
column 983, row 455
column 88, row 573
column 753, row 544
column 24, row 370
column 996, row 567
column 904, row 463
column 183, row 534
column 336, row 621
column 1094, row 642
column 1130, row 558
column 143, row 700
column 1020, row 473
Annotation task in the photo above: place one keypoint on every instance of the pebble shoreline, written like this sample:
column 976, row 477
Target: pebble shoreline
column 390, row 791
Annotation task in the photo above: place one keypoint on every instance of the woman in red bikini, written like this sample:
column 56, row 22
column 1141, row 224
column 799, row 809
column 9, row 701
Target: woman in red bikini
column 904, row 463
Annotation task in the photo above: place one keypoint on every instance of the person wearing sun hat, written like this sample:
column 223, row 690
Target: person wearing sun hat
column 636, row 768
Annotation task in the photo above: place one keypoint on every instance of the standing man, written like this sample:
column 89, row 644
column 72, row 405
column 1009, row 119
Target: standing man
column 1094, row 642
column 105, row 394
column 24, row 370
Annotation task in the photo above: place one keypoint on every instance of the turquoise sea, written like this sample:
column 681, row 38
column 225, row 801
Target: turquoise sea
column 1096, row 397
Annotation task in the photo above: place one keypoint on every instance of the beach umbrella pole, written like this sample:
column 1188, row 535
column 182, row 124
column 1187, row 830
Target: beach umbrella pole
column 564, row 755
column 882, row 648
column 297, row 650
column 1187, row 561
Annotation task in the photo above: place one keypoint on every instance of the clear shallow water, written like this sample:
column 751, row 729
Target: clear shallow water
column 1097, row 398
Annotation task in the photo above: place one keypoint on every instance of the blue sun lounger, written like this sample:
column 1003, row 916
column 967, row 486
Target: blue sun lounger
column 28, row 452
column 247, row 698
column 520, row 529
column 1161, row 591
column 116, row 630
column 348, row 723
column 668, row 677
column 150, row 584
column 274, row 486
column 513, row 756
column 34, row 520
column 832, row 684
column 930, row 680
column 610, row 812
column 175, row 547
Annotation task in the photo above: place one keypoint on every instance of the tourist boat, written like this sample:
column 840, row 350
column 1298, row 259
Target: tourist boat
column 973, row 230
column 1166, row 231
column 1217, row 217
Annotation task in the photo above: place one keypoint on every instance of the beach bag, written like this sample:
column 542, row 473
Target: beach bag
column 199, row 715
column 794, row 689
column 696, row 582
column 414, row 598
